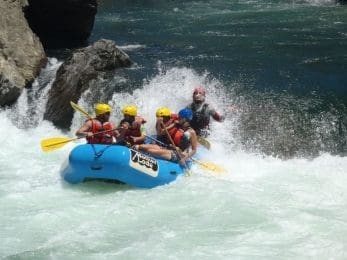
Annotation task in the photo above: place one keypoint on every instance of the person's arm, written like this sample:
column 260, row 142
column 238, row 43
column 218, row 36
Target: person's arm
column 189, row 153
column 216, row 116
column 141, row 138
column 193, row 142
column 174, row 120
column 115, row 132
column 172, row 125
column 85, row 129
column 124, row 124
column 160, row 131
column 123, row 127
column 158, row 126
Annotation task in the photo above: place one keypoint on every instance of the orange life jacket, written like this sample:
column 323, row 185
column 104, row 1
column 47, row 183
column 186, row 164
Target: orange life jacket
column 163, row 138
column 134, row 129
column 102, row 138
column 178, row 136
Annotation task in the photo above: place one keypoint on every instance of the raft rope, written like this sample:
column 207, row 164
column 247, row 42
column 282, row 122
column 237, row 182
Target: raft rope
column 99, row 153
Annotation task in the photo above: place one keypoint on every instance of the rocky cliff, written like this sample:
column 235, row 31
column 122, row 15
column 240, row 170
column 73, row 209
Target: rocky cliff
column 78, row 74
column 58, row 23
column 21, row 53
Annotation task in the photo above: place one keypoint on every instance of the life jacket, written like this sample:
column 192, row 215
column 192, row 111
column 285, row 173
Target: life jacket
column 201, row 118
column 103, row 138
column 163, row 138
column 134, row 129
column 179, row 137
column 173, row 117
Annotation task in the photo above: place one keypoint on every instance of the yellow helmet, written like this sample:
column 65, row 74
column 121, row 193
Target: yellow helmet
column 163, row 111
column 101, row 108
column 130, row 110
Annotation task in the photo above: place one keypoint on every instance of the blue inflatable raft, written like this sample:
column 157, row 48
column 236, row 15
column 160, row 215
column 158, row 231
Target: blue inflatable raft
column 118, row 163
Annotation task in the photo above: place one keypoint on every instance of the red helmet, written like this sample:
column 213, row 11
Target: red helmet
column 199, row 95
column 199, row 90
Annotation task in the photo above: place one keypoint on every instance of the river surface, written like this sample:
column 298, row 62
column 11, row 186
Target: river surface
column 276, row 69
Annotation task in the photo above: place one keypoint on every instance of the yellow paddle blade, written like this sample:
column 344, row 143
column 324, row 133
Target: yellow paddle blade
column 78, row 108
column 204, row 142
column 55, row 143
column 210, row 166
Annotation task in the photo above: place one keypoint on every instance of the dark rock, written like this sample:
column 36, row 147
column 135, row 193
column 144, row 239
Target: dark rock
column 62, row 23
column 21, row 53
column 9, row 92
column 78, row 74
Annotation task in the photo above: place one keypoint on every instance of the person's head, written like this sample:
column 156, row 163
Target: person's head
column 163, row 112
column 103, row 111
column 185, row 115
column 199, row 94
column 129, row 112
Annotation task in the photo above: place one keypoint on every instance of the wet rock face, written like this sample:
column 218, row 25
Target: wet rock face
column 61, row 23
column 78, row 74
column 9, row 91
column 21, row 53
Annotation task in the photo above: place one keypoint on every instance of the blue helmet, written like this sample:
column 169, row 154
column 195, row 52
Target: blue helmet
column 186, row 113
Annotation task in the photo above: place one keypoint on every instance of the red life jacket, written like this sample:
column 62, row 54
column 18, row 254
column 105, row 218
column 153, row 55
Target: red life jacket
column 180, row 140
column 173, row 117
column 134, row 129
column 103, row 138
column 163, row 138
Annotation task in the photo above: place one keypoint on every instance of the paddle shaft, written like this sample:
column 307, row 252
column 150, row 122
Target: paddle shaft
column 78, row 108
column 74, row 139
column 102, row 132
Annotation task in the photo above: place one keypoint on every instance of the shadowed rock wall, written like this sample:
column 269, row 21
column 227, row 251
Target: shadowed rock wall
column 78, row 74
column 62, row 23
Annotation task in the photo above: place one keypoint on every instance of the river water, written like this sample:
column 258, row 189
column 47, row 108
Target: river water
column 277, row 69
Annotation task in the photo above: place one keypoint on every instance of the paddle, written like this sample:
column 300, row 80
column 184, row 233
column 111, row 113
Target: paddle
column 79, row 109
column 209, row 166
column 54, row 143
column 204, row 142
column 206, row 165
column 176, row 149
